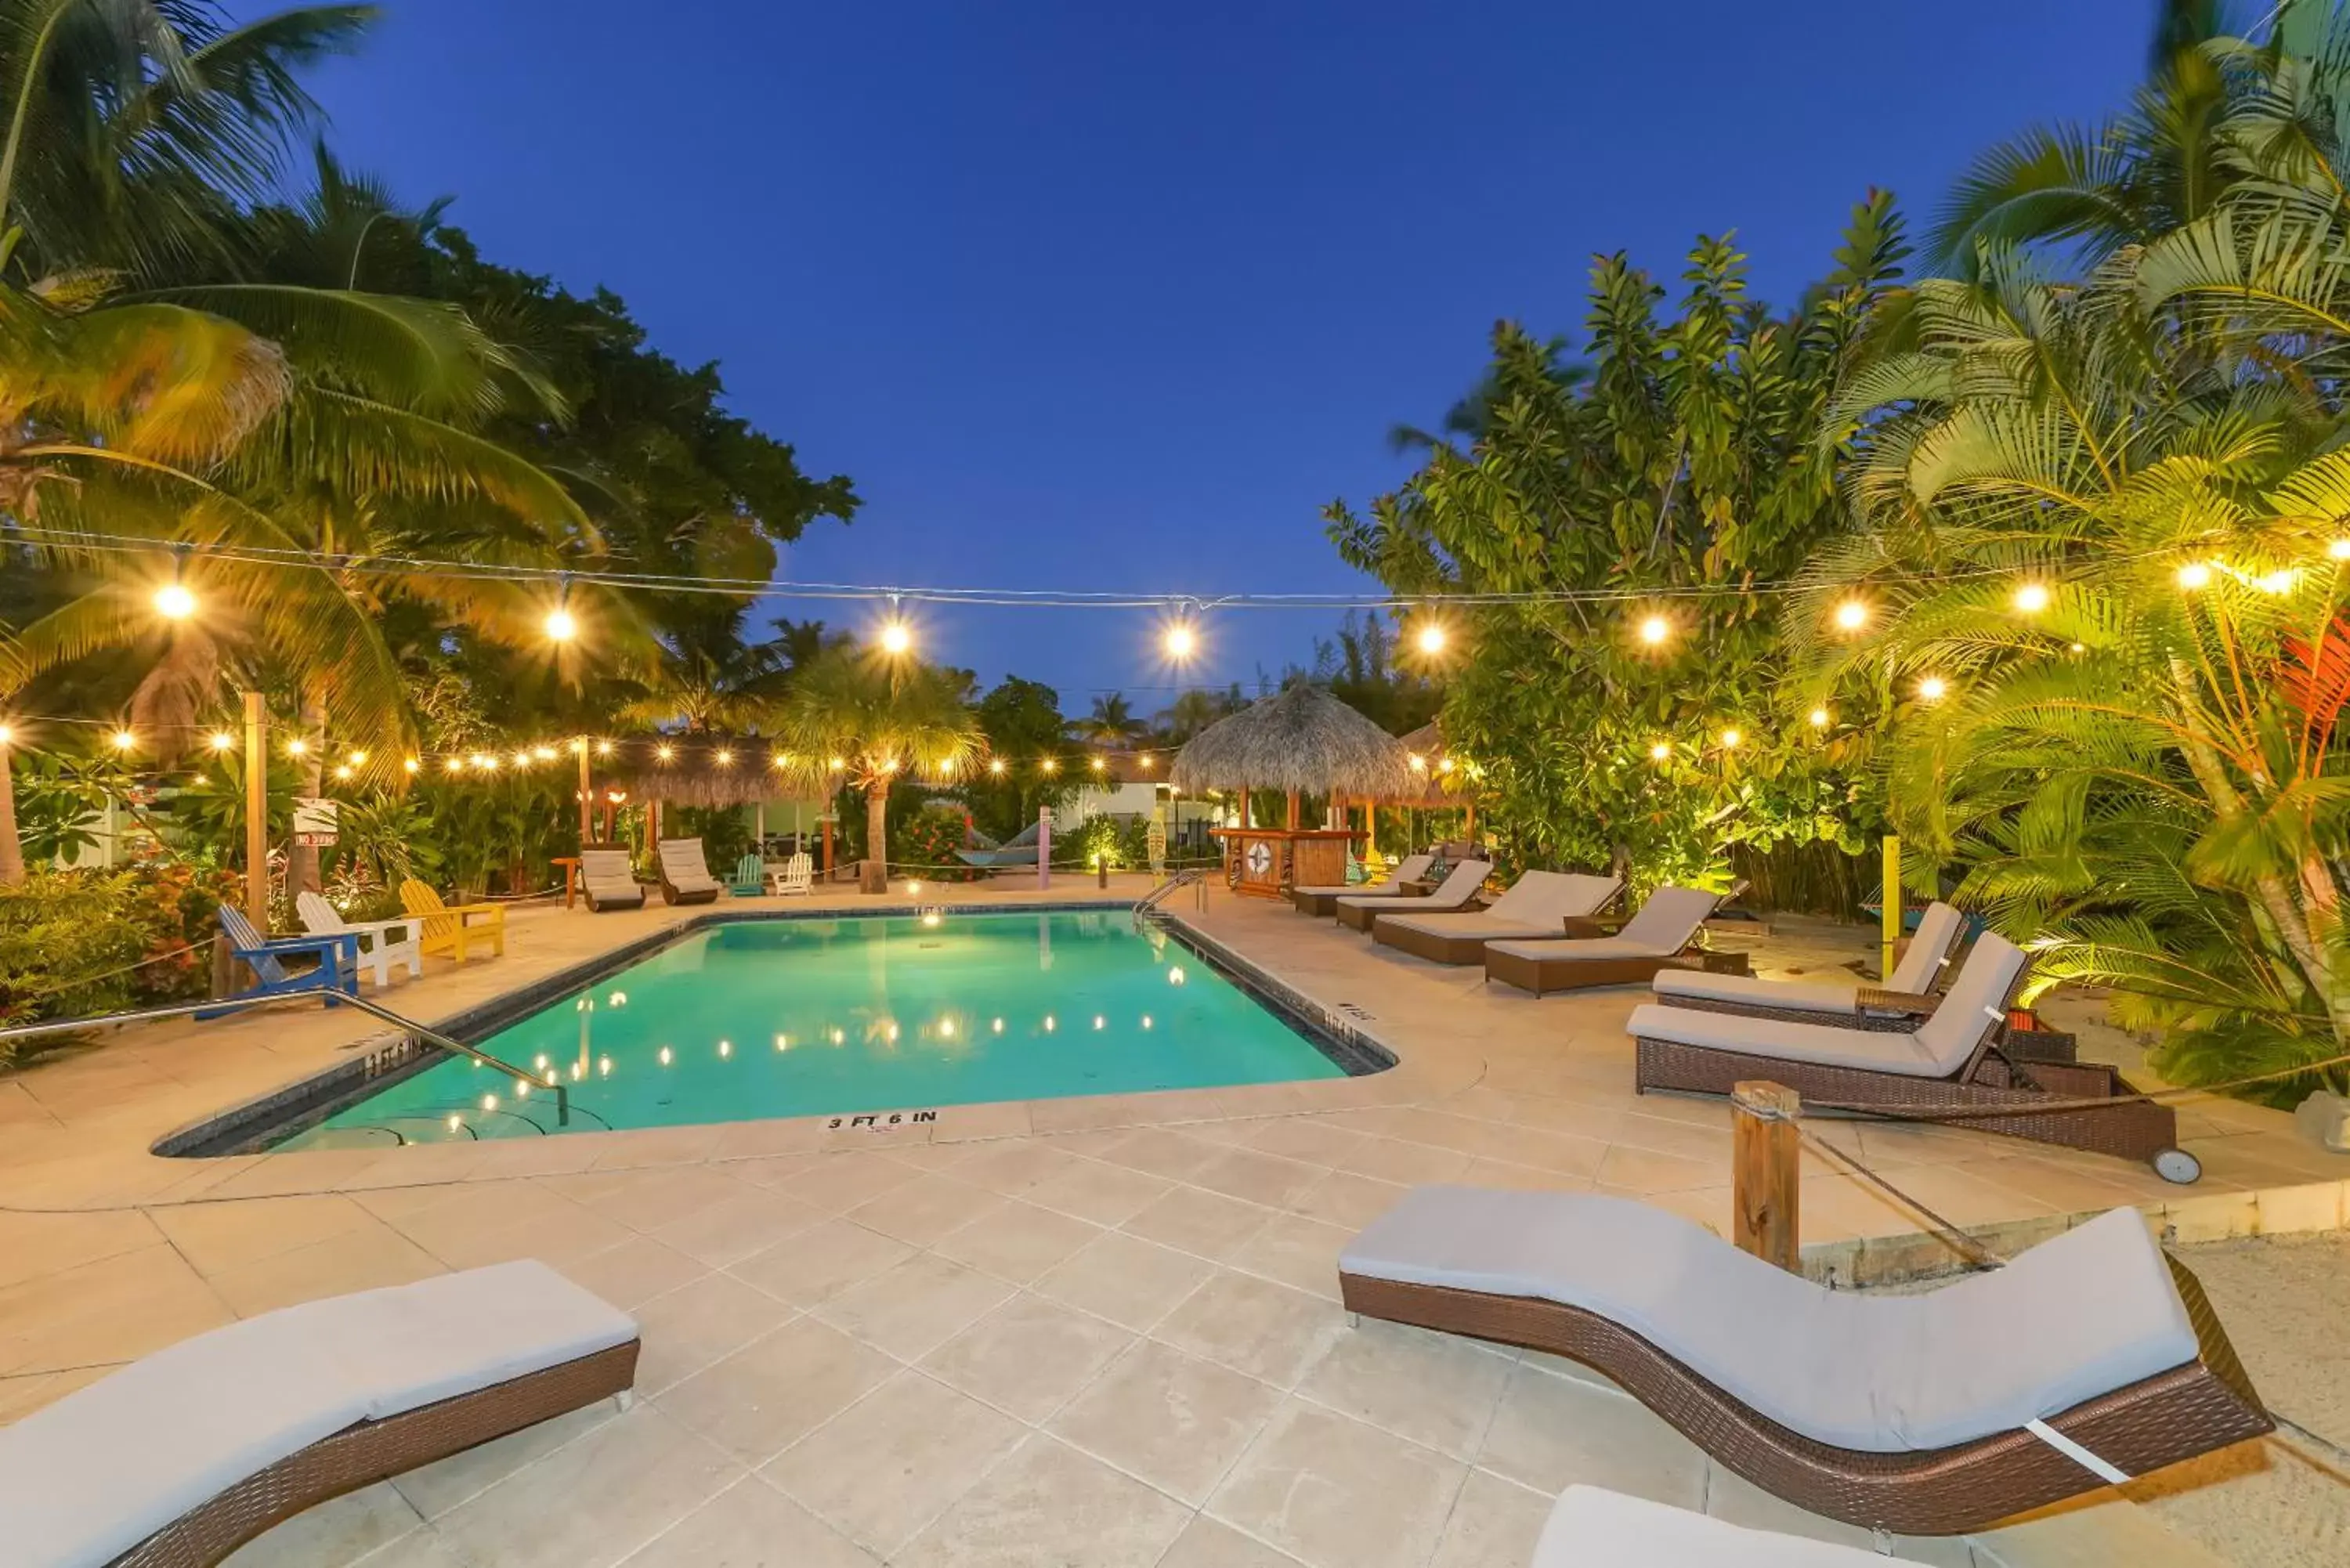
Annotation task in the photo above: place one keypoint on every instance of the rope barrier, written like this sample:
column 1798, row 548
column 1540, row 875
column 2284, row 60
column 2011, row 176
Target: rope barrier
column 81, row 981
column 1925, row 1113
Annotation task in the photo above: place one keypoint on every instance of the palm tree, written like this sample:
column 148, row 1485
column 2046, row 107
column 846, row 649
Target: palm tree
column 882, row 718
column 2104, row 555
column 1111, row 723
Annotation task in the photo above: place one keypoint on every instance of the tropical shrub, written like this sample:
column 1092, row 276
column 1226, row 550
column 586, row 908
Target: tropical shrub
column 925, row 843
column 81, row 942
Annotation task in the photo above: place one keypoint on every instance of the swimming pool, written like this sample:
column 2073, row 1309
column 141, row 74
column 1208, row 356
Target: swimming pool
column 752, row 1019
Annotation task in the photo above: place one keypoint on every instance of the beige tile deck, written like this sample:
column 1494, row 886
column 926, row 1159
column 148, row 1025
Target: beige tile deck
column 1102, row 1328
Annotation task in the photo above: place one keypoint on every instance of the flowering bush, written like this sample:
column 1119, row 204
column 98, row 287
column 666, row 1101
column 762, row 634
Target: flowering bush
column 81, row 942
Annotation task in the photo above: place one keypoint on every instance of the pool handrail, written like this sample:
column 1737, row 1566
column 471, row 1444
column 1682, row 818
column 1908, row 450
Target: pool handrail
column 213, row 1007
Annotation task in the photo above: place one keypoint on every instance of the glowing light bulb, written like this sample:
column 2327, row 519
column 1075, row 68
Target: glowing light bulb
column 544, row 753
column 1819, row 718
column 296, row 746
column 1100, row 764
column 1851, row 615
column 454, row 765
column 1432, row 637
column 560, row 626
column 2194, row 575
column 1933, row 689
column 1732, row 738
column 724, row 759
column 6, row 735
column 221, row 741
column 1052, row 765
column 2279, row 582
column 343, row 770
column 174, row 602
column 1661, row 751
column 1181, row 642
column 896, row 638
column 665, row 752
column 603, row 748
column 124, row 740
column 1655, row 630
column 410, row 765
column 837, row 765
column 2032, row 599
column 2339, row 550
column 996, row 766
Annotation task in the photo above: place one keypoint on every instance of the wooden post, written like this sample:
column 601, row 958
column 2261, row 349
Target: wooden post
column 256, row 812
column 586, row 799
column 1766, row 1161
column 827, row 820
column 1890, row 924
column 1289, row 820
column 1044, row 848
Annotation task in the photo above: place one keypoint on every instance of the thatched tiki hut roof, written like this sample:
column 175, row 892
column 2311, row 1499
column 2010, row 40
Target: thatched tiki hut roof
column 1304, row 741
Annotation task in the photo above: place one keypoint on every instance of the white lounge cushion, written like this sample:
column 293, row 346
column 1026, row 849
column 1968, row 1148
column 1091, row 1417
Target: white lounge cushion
column 1825, row 997
column 86, row 1478
column 1465, row 923
column 1460, row 885
column 1828, row 1044
column 611, row 877
column 1545, row 899
column 1876, row 1373
column 683, row 864
column 1593, row 1528
column 1616, row 946
column 1929, row 949
column 1662, row 927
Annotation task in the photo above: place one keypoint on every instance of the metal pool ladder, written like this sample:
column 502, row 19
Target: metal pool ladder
column 1149, row 903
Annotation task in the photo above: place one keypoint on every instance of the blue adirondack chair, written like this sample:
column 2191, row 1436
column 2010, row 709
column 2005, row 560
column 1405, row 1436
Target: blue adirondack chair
column 750, row 877
column 338, row 969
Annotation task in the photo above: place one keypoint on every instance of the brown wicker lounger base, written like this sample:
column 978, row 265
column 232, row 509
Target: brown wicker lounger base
column 669, row 895
column 1358, row 916
column 1326, row 904
column 1444, row 947
column 1882, row 1023
column 1989, row 1083
column 1543, row 976
column 371, row 1451
column 2172, row 1415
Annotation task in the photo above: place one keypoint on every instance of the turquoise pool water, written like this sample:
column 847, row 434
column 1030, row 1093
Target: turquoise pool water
column 811, row 1017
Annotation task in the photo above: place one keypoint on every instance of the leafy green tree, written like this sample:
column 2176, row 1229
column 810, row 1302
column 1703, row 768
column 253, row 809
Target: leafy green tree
column 1638, row 725
column 1024, row 731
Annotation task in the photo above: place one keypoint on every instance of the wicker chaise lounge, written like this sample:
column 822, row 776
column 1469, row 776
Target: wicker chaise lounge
column 1907, row 993
column 1950, row 1061
column 1657, row 937
column 1538, row 904
column 1322, row 899
column 1356, row 912
column 178, row 1459
column 685, row 876
column 2089, row 1358
column 610, row 880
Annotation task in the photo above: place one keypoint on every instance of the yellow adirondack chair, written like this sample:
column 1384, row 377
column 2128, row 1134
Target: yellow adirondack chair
column 452, row 930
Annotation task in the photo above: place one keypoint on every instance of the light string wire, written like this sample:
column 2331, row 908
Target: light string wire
column 1042, row 598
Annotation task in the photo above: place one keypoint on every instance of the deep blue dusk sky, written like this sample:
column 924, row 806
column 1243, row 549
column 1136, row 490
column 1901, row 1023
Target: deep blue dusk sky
column 1113, row 295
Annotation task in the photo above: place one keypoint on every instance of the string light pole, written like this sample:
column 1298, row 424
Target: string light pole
column 256, row 812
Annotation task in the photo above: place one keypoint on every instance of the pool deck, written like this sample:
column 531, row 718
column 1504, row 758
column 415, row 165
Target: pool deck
column 1096, row 1331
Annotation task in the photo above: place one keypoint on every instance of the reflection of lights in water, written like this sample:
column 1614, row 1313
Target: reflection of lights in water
column 604, row 1066
column 839, row 1036
column 889, row 1031
column 930, row 919
column 997, row 1026
column 618, row 999
column 583, row 1004
column 522, row 1088
column 726, row 1047
column 1146, row 1020
column 1049, row 1024
column 782, row 1041
column 665, row 1057
column 578, row 1071
column 489, row 1102
column 455, row 1122
column 1099, row 1021
column 1175, row 974
column 539, row 1062
column 946, row 1028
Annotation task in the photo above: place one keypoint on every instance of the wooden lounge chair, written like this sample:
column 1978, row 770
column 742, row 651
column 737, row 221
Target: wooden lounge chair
column 1356, row 912
column 1591, row 1527
column 797, row 874
column 181, row 1458
column 1657, row 937
column 2089, row 1358
column 1950, row 1061
column 750, row 879
column 1908, row 993
column 335, row 971
column 1538, row 904
column 685, row 877
column 1321, row 897
column 454, row 928
column 610, row 879
column 374, row 944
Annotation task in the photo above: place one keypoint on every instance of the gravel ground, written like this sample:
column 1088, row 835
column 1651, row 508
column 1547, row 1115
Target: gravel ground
column 2283, row 1502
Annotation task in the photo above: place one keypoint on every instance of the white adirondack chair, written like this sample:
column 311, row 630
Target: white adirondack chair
column 797, row 874
column 378, row 949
